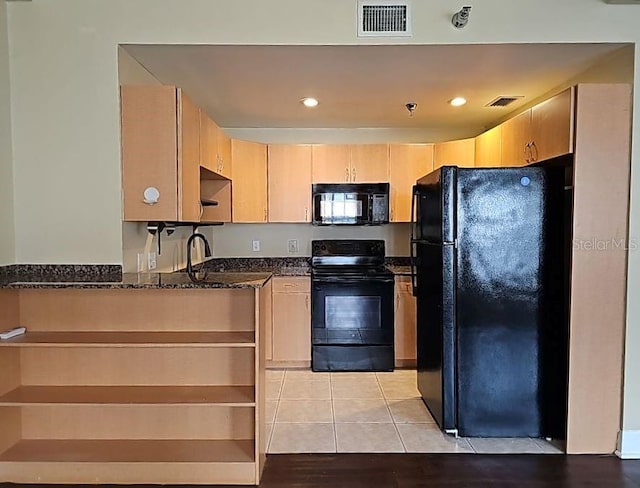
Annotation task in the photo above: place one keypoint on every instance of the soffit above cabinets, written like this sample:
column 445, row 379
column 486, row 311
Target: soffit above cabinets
column 365, row 86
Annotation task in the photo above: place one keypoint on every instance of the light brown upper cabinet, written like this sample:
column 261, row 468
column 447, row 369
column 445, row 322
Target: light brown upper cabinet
column 208, row 143
column 541, row 132
column 289, row 182
column 369, row 163
column 249, row 186
column 552, row 126
column 161, row 151
column 224, row 153
column 330, row 163
column 215, row 147
column 488, row 153
column 515, row 140
column 358, row 163
column 455, row 153
column 407, row 163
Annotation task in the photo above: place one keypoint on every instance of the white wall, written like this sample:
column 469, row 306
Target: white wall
column 64, row 97
column 7, row 228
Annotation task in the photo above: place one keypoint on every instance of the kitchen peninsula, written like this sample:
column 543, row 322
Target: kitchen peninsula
column 134, row 379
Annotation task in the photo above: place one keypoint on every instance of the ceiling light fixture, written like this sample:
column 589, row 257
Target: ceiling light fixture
column 458, row 101
column 309, row 102
column 411, row 106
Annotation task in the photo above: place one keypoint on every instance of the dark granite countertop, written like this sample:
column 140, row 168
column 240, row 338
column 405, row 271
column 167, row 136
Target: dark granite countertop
column 221, row 273
column 299, row 266
column 400, row 270
column 152, row 280
column 277, row 266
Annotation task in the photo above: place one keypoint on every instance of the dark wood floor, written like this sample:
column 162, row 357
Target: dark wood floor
column 448, row 470
column 442, row 470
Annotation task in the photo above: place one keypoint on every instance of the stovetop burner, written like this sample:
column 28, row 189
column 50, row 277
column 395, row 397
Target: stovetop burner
column 348, row 259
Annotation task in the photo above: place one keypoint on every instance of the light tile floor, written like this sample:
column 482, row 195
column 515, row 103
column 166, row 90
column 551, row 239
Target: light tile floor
column 364, row 412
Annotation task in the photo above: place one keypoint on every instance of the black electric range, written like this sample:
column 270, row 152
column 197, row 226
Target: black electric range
column 352, row 310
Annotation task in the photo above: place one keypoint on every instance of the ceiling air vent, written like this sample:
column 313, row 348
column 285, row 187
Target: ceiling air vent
column 503, row 101
column 384, row 18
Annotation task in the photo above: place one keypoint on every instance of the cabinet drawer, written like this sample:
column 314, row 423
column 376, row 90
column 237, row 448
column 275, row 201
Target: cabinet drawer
column 292, row 284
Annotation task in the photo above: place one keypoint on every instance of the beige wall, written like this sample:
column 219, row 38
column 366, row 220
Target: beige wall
column 7, row 229
column 65, row 100
column 631, row 403
column 235, row 240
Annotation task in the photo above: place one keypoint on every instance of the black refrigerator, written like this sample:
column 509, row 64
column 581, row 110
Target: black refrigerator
column 488, row 271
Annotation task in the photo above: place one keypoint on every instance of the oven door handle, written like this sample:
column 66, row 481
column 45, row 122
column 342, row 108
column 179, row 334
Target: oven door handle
column 351, row 281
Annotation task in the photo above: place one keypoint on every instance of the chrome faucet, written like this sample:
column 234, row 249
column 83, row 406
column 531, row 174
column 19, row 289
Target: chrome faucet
column 207, row 249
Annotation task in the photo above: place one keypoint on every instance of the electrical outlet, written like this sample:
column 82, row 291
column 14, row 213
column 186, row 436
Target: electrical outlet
column 256, row 245
column 292, row 245
column 151, row 261
column 142, row 262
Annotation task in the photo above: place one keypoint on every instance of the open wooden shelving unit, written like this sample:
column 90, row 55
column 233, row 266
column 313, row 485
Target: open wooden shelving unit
column 133, row 386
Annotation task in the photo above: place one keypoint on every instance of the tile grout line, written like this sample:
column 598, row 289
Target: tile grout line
column 393, row 420
column 333, row 412
column 275, row 416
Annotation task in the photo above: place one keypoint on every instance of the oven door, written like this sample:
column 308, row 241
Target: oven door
column 352, row 311
column 335, row 208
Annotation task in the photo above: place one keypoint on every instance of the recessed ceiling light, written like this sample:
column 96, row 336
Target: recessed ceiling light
column 458, row 101
column 309, row 102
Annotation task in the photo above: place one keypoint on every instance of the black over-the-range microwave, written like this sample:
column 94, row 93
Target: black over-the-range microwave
column 350, row 203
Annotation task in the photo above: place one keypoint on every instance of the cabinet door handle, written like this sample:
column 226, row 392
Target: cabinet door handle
column 306, row 214
column 391, row 214
column 526, row 154
column 306, row 302
column 353, row 175
column 346, row 176
column 397, row 301
column 533, row 145
column 265, row 214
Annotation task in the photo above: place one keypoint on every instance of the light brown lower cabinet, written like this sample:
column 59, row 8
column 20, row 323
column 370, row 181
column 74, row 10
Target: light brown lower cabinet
column 291, row 322
column 134, row 386
column 405, row 323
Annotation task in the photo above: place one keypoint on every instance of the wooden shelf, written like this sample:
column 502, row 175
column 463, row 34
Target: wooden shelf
column 130, row 451
column 137, row 461
column 129, row 339
column 141, row 387
column 241, row 396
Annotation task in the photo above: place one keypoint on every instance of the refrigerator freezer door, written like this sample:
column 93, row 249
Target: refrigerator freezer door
column 432, row 214
column 435, row 202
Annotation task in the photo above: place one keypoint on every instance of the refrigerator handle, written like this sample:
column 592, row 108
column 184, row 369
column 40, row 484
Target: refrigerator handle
column 414, row 274
column 412, row 243
column 414, row 194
